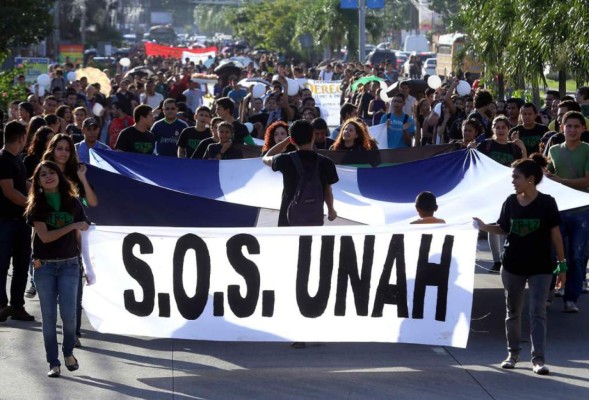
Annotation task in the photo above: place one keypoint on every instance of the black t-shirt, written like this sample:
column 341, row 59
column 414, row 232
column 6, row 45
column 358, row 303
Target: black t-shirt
column 202, row 148
column 124, row 101
column 325, row 145
column 239, row 132
column 191, row 137
column 133, row 141
column 283, row 163
column 75, row 133
column 504, row 154
column 530, row 137
column 528, row 244
column 31, row 161
column 232, row 153
column 12, row 167
column 66, row 246
column 262, row 118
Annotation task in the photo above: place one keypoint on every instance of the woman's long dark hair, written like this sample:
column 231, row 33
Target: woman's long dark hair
column 71, row 165
column 37, row 204
column 363, row 139
column 39, row 142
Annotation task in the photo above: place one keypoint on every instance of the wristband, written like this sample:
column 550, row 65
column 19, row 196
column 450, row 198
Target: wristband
column 561, row 266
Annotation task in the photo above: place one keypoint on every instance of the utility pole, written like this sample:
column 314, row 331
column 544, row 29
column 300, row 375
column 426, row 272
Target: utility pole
column 56, row 33
column 362, row 29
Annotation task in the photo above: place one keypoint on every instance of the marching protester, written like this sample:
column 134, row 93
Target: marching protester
column 91, row 131
column 137, row 138
column 531, row 220
column 167, row 130
column 191, row 137
column 504, row 152
column 225, row 149
column 569, row 165
column 15, row 234
column 57, row 217
column 353, row 136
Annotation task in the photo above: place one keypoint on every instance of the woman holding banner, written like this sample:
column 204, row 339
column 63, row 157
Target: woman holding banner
column 354, row 136
column 530, row 220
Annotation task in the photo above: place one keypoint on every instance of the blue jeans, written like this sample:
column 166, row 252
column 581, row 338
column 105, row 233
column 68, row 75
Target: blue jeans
column 575, row 233
column 15, row 244
column 57, row 283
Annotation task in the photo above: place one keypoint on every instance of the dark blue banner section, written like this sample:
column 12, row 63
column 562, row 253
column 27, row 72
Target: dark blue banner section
column 439, row 174
column 123, row 201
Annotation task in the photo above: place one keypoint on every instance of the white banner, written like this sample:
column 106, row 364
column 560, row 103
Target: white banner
column 196, row 57
column 327, row 95
column 329, row 284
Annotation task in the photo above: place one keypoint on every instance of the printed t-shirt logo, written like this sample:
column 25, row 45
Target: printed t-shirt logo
column 143, row 147
column 193, row 143
column 59, row 219
column 523, row 227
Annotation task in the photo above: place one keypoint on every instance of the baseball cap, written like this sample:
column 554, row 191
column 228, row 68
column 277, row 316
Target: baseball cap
column 88, row 122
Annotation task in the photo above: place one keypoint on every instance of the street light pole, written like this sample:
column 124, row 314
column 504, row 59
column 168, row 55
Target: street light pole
column 362, row 29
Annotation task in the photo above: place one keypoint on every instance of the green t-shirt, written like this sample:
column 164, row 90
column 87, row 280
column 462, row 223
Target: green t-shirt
column 569, row 164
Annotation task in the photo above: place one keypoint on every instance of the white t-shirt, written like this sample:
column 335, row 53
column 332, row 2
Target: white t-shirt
column 152, row 101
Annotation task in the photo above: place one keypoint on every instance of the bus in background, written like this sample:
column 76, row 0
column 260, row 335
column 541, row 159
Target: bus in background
column 451, row 59
column 161, row 34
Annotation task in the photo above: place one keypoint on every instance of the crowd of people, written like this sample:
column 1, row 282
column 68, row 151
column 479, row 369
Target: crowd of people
column 46, row 143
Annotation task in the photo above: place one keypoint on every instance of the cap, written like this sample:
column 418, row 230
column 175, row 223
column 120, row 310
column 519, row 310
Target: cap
column 89, row 122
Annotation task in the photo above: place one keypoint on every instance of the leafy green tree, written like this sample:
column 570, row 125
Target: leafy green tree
column 23, row 22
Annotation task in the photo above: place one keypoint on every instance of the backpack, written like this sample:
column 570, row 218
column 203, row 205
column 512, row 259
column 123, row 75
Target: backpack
column 306, row 206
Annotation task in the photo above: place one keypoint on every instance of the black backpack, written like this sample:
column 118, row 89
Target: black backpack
column 306, row 207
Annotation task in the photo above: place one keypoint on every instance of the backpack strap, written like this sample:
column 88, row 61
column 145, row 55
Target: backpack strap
column 294, row 156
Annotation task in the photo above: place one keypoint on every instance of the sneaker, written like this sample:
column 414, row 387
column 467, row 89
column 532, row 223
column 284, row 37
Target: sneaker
column 570, row 307
column 31, row 292
column 559, row 292
column 5, row 312
column 21, row 314
column 496, row 267
column 510, row 362
column 539, row 368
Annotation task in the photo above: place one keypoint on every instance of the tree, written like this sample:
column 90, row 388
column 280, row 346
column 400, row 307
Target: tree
column 521, row 38
column 24, row 22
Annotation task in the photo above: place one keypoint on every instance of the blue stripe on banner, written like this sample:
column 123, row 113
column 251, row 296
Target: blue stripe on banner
column 402, row 183
column 165, row 171
column 124, row 201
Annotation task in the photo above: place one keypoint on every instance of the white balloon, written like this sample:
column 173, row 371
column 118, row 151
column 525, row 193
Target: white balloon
column 463, row 88
column 259, row 90
column 71, row 76
column 97, row 109
column 125, row 62
column 293, row 87
column 44, row 80
column 434, row 81
column 383, row 96
column 249, row 126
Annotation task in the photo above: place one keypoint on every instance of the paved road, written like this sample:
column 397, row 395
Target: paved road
column 117, row 367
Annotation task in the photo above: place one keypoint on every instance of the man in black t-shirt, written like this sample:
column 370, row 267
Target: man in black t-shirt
column 137, row 138
column 529, row 131
column 15, row 234
column 301, row 133
column 225, row 107
column 191, row 137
